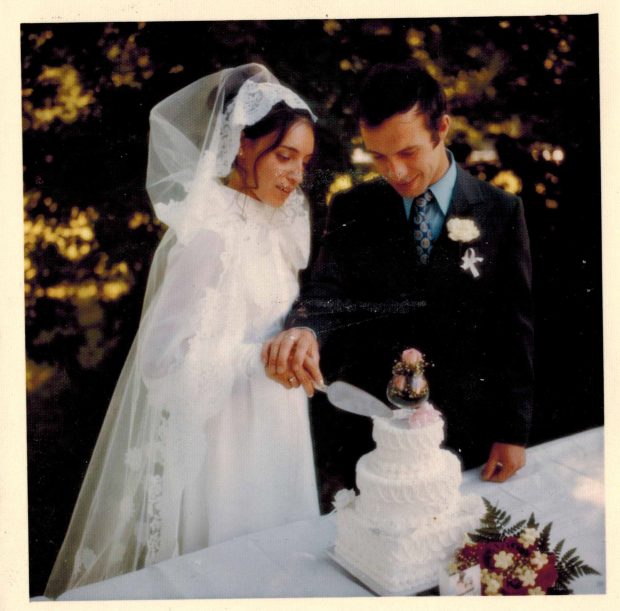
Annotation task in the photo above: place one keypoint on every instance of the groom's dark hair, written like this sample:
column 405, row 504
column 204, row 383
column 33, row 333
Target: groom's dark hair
column 389, row 89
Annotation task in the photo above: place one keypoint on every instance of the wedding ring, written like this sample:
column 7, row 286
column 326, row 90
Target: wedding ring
column 291, row 380
column 293, row 338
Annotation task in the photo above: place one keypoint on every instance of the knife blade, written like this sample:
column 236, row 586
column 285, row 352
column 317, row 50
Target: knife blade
column 352, row 399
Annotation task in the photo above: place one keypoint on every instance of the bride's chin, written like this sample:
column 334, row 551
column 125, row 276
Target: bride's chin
column 277, row 199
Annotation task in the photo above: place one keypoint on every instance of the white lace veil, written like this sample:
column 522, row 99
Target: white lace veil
column 127, row 512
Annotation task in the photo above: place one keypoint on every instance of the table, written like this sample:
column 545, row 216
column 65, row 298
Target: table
column 561, row 483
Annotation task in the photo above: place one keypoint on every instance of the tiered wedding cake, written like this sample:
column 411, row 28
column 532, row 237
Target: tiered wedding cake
column 409, row 516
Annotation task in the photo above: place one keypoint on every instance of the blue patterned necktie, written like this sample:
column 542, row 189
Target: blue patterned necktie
column 422, row 231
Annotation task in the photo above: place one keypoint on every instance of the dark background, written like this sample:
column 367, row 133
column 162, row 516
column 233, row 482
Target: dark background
column 523, row 93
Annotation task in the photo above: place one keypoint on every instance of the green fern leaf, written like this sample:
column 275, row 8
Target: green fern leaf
column 544, row 540
column 558, row 548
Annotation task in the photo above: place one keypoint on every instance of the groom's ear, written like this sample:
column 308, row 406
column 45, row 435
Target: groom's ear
column 444, row 126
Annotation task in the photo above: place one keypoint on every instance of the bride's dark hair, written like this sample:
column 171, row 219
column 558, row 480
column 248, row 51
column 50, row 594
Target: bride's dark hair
column 278, row 120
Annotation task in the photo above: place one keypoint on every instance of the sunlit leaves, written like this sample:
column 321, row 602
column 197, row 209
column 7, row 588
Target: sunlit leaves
column 512, row 127
column 68, row 102
column 40, row 39
column 460, row 126
column 139, row 219
column 508, row 180
column 131, row 62
column 471, row 86
column 73, row 239
column 331, row 27
column 415, row 38
column 341, row 182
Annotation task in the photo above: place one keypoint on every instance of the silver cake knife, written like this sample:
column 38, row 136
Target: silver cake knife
column 353, row 399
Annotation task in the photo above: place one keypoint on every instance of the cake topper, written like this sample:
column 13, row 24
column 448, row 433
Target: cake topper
column 408, row 387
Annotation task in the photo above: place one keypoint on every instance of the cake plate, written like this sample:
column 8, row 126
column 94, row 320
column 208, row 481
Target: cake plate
column 371, row 584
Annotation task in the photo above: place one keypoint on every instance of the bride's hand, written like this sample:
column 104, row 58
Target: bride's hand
column 292, row 359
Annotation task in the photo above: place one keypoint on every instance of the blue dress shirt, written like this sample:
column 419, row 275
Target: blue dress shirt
column 442, row 191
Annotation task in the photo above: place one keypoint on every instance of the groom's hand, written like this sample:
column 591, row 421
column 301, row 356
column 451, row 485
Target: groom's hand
column 505, row 459
column 292, row 358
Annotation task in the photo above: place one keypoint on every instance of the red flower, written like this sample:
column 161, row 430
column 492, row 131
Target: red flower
column 471, row 554
column 548, row 574
column 513, row 587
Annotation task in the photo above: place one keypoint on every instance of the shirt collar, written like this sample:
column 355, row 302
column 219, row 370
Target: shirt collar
column 442, row 189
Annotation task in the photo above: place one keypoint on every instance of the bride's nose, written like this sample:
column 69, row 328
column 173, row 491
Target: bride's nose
column 296, row 173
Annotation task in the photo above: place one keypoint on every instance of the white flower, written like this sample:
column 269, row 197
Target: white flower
column 462, row 230
column 503, row 560
column 527, row 576
column 343, row 498
column 537, row 591
column 491, row 581
column 528, row 537
column 538, row 560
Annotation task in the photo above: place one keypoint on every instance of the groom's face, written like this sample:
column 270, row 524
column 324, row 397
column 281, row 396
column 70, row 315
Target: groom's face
column 405, row 152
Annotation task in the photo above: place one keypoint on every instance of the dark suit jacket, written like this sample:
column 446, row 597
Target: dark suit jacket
column 368, row 298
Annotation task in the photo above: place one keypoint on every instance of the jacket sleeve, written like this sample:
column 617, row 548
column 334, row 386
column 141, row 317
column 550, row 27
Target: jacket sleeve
column 516, row 332
column 325, row 303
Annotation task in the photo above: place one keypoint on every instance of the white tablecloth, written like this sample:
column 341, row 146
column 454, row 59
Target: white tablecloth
column 561, row 483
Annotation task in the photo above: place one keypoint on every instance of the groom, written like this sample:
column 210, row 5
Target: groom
column 425, row 256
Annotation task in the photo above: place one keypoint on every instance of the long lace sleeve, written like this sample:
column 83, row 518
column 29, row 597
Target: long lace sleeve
column 192, row 338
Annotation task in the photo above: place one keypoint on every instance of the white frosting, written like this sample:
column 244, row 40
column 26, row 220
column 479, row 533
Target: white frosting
column 398, row 443
column 399, row 495
column 409, row 515
column 412, row 558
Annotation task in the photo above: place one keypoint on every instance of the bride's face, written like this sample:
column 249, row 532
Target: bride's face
column 273, row 174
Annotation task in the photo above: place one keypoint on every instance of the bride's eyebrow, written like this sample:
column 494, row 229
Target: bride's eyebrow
column 291, row 148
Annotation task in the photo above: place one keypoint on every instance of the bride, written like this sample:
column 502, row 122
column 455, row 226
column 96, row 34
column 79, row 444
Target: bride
column 198, row 444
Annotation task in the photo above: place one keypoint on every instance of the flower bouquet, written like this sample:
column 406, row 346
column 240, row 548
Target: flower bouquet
column 518, row 559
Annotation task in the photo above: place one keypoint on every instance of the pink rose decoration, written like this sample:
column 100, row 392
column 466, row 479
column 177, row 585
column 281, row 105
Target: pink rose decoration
column 423, row 416
column 411, row 356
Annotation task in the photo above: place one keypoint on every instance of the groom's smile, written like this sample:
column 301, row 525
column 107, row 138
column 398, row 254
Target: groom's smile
column 406, row 153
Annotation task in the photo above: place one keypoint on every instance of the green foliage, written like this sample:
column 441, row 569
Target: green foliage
column 495, row 526
column 543, row 541
column 569, row 568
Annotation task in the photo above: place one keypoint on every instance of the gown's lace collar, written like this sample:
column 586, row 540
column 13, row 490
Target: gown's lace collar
column 250, row 209
column 212, row 205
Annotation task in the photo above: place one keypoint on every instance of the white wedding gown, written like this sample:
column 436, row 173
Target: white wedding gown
column 198, row 445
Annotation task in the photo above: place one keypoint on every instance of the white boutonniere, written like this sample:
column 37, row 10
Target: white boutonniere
column 343, row 498
column 462, row 230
